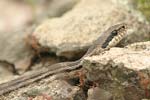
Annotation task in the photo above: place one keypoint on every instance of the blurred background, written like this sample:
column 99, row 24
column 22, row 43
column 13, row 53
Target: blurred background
column 19, row 14
column 143, row 6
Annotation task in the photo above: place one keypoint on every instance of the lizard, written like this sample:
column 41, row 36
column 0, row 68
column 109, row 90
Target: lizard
column 111, row 37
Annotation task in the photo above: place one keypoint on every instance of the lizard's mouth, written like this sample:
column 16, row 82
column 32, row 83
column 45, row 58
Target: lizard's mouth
column 116, row 39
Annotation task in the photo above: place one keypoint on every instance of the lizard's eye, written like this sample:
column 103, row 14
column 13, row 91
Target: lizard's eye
column 114, row 33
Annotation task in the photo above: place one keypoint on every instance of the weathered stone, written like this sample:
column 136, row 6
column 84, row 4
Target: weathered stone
column 139, row 46
column 98, row 94
column 124, row 72
column 56, row 90
column 75, row 30
column 61, row 90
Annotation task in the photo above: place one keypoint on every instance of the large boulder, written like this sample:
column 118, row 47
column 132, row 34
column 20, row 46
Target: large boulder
column 73, row 32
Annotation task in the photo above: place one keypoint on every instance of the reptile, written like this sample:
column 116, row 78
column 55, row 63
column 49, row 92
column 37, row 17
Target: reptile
column 111, row 37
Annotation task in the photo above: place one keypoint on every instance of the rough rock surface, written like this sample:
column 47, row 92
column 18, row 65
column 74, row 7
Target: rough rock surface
column 98, row 94
column 76, row 29
column 124, row 72
column 55, row 90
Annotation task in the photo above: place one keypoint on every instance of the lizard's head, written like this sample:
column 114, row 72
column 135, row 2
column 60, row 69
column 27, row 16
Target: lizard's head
column 116, row 33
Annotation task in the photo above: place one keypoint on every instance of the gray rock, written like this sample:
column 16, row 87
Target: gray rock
column 77, row 28
column 14, row 49
column 98, row 94
column 56, row 90
column 124, row 72
column 129, row 57
column 61, row 90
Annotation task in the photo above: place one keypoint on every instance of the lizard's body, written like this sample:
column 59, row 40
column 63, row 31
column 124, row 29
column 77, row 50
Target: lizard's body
column 110, row 38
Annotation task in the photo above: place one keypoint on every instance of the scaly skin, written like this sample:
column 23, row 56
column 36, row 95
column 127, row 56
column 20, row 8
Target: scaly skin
column 108, row 39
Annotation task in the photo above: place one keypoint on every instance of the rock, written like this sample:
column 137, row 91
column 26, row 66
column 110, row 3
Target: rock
column 5, row 74
column 124, row 72
column 61, row 90
column 130, row 56
column 139, row 46
column 98, row 94
column 72, row 33
column 56, row 90
column 14, row 50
